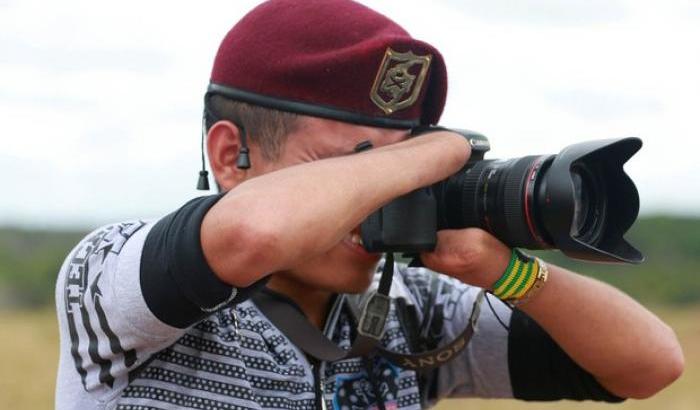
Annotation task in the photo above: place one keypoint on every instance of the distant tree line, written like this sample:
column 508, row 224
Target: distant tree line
column 30, row 259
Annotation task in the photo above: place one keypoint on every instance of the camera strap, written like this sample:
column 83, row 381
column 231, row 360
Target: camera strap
column 370, row 328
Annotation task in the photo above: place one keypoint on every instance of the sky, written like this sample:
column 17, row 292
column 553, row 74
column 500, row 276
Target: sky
column 100, row 102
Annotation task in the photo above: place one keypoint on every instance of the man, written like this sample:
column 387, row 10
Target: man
column 158, row 314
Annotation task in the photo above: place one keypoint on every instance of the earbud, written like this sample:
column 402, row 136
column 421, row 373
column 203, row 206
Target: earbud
column 243, row 161
column 203, row 181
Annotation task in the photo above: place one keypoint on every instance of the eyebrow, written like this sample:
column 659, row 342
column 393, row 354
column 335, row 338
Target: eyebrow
column 363, row 146
column 359, row 147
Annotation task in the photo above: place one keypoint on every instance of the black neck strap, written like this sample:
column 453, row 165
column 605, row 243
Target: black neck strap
column 370, row 328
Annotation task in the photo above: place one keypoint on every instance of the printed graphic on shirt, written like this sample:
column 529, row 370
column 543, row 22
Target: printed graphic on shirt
column 442, row 309
column 87, row 322
column 358, row 392
column 446, row 303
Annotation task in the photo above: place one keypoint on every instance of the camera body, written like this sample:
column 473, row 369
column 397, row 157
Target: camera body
column 579, row 201
column 410, row 223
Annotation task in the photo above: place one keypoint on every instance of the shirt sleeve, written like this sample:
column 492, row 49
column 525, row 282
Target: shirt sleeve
column 127, row 291
column 540, row 370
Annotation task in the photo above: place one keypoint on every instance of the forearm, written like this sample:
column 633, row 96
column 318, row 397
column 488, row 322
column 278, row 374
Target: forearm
column 628, row 349
column 624, row 346
column 304, row 210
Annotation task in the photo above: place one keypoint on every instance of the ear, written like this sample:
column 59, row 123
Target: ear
column 223, row 145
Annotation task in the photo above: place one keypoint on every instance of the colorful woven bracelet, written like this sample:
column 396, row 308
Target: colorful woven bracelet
column 540, row 280
column 521, row 275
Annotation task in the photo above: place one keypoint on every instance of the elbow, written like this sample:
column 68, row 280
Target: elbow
column 240, row 253
column 258, row 252
column 665, row 366
column 669, row 366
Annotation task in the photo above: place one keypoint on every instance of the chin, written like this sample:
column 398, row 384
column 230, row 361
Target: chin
column 345, row 280
column 359, row 285
column 336, row 272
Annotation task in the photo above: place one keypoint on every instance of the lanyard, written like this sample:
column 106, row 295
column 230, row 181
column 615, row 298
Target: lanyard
column 370, row 328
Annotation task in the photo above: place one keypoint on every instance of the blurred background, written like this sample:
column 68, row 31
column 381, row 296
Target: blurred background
column 100, row 107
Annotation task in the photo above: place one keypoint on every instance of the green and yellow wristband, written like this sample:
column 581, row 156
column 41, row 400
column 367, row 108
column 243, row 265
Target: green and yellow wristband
column 524, row 276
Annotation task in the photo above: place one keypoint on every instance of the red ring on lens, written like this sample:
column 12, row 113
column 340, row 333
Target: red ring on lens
column 528, row 193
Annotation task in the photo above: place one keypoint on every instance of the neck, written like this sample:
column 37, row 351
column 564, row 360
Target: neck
column 313, row 302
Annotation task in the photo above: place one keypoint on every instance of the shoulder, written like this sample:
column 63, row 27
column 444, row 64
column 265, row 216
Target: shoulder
column 101, row 246
column 99, row 251
column 110, row 238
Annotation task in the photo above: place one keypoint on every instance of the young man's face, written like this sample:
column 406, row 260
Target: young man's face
column 347, row 267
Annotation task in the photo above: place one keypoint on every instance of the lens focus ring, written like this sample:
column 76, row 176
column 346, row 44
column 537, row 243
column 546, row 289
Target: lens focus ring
column 514, row 197
column 471, row 211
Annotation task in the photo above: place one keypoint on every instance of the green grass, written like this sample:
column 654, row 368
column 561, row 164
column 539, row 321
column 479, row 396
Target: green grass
column 28, row 359
column 29, row 354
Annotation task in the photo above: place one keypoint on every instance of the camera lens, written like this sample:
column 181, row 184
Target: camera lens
column 589, row 205
column 581, row 203
column 507, row 198
column 498, row 196
column 569, row 201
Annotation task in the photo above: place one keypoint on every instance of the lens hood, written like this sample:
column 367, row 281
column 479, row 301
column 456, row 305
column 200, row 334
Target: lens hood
column 587, row 202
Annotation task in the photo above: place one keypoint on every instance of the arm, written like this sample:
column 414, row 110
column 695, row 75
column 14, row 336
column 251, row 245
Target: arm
column 625, row 347
column 309, row 207
column 127, row 291
column 631, row 352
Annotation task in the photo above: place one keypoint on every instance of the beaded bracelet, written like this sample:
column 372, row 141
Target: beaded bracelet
column 524, row 276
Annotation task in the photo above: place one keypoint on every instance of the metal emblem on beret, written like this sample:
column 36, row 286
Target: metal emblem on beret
column 399, row 80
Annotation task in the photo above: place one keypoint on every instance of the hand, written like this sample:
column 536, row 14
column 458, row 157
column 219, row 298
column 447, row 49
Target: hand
column 470, row 255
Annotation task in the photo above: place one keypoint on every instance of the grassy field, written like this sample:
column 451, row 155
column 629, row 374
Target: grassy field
column 29, row 351
column 28, row 359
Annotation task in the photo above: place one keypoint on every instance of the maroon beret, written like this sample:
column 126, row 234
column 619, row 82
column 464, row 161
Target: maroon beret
column 334, row 59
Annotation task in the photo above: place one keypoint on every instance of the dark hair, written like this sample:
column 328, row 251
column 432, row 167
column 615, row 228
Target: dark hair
column 266, row 127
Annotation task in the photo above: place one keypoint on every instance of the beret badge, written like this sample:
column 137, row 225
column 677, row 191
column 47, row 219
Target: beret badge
column 399, row 81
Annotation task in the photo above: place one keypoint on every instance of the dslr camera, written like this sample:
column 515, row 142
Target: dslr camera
column 579, row 201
